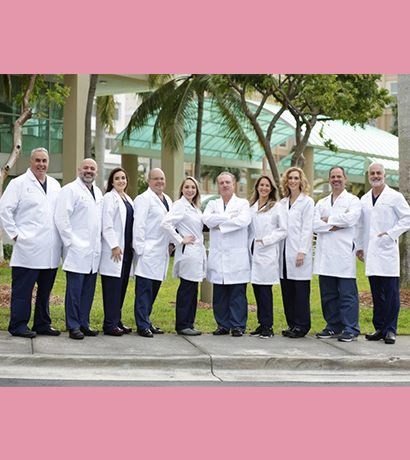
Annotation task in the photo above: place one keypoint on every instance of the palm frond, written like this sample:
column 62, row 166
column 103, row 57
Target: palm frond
column 151, row 105
column 178, row 110
column 235, row 123
column 106, row 112
column 159, row 79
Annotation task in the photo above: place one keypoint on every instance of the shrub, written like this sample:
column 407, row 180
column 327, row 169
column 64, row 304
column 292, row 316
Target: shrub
column 8, row 249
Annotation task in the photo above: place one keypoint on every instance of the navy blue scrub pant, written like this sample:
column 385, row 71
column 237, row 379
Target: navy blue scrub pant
column 386, row 302
column 22, row 284
column 186, row 303
column 296, row 303
column 146, row 291
column 114, row 290
column 230, row 306
column 264, row 304
column 340, row 304
column 79, row 298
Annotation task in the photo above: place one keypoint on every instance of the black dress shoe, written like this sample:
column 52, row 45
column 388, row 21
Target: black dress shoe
column 296, row 333
column 378, row 335
column 155, row 330
column 115, row 331
column 189, row 331
column 390, row 338
column 256, row 332
column 76, row 334
column 49, row 331
column 26, row 334
column 88, row 332
column 145, row 333
column 221, row 331
column 126, row 329
column 286, row 332
column 236, row 332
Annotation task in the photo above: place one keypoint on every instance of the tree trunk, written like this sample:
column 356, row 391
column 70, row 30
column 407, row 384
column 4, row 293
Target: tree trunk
column 99, row 143
column 197, row 167
column 273, row 166
column 88, row 115
column 26, row 114
column 404, row 161
column 298, row 157
column 263, row 141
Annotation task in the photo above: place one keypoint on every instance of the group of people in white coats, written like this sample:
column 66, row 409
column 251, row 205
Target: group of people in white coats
column 271, row 241
column 265, row 241
column 261, row 242
column 368, row 228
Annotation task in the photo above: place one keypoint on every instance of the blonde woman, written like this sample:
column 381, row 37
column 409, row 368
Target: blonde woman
column 267, row 229
column 183, row 223
column 296, row 253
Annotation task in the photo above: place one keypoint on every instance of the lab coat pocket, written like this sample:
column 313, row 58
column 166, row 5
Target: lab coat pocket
column 385, row 242
column 266, row 254
column 24, row 243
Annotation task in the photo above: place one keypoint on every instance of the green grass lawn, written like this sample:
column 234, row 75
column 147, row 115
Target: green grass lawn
column 164, row 309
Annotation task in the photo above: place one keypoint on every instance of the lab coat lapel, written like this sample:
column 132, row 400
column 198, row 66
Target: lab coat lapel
column 35, row 181
column 231, row 203
column 156, row 197
column 121, row 207
column 383, row 197
column 86, row 190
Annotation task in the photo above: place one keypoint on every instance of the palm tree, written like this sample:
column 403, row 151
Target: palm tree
column 104, row 122
column 88, row 113
column 176, row 101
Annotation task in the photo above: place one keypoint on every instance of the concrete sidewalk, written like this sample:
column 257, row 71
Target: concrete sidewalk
column 172, row 358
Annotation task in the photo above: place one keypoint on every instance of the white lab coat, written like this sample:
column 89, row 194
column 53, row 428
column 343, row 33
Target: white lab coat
column 270, row 227
column 189, row 259
column 228, row 259
column 390, row 214
column 299, row 238
column 27, row 212
column 78, row 219
column 150, row 241
column 336, row 251
column 114, row 215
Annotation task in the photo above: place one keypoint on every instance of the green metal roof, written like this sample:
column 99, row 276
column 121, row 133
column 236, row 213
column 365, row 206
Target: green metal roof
column 215, row 146
column 357, row 146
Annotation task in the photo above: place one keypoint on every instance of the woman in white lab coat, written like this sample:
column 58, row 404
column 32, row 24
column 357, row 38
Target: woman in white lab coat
column 267, row 229
column 183, row 224
column 296, row 253
column 117, row 253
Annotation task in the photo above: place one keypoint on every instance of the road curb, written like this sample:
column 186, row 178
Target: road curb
column 314, row 363
column 207, row 362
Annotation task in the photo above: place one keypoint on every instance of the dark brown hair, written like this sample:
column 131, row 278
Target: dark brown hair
column 273, row 194
column 110, row 185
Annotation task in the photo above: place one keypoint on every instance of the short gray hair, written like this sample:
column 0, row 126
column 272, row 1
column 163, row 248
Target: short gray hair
column 226, row 173
column 376, row 163
column 38, row 149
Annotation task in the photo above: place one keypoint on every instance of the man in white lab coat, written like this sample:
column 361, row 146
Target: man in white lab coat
column 26, row 215
column 335, row 223
column 228, row 269
column 151, row 246
column 78, row 219
column 385, row 216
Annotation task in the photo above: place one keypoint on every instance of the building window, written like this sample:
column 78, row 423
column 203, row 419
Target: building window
column 393, row 88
